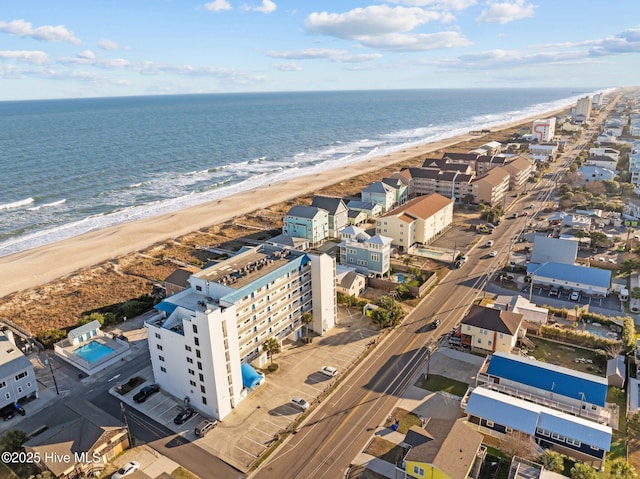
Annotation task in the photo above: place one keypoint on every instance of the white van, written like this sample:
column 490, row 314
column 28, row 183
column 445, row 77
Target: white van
column 329, row 371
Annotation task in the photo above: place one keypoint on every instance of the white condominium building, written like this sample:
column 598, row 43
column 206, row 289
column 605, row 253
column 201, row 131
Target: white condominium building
column 544, row 130
column 583, row 106
column 202, row 347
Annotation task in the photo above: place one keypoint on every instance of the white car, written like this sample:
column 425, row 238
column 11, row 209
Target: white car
column 575, row 296
column 128, row 468
column 493, row 253
column 300, row 403
column 329, row 371
column 489, row 243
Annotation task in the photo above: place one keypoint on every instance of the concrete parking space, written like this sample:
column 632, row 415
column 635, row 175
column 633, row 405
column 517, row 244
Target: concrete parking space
column 257, row 421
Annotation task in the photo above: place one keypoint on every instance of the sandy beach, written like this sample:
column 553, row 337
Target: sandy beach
column 32, row 268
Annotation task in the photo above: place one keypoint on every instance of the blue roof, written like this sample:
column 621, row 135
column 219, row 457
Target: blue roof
column 556, row 379
column 583, row 430
column 250, row 377
column 572, row 273
column 166, row 306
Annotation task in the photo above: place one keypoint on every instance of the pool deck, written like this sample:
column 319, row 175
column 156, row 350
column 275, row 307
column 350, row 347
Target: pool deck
column 67, row 352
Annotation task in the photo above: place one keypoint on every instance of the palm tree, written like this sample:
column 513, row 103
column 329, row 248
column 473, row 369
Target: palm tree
column 307, row 319
column 272, row 347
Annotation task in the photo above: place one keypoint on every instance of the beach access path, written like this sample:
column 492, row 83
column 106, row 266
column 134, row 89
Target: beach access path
column 42, row 265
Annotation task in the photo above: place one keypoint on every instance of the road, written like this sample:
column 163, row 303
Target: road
column 340, row 428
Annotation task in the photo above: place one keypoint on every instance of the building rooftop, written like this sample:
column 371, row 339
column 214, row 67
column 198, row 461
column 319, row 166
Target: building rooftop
column 300, row 211
column 11, row 358
column 422, row 207
column 506, row 322
column 330, row 204
column 571, row 273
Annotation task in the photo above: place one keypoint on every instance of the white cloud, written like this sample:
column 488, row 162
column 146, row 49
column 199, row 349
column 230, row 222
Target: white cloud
column 218, row 6
column 288, row 67
column 371, row 20
column 87, row 54
column 416, row 42
column 360, row 58
column 307, row 54
column 267, row 6
column 47, row 33
column 109, row 45
column 438, row 4
column 27, row 56
column 506, row 12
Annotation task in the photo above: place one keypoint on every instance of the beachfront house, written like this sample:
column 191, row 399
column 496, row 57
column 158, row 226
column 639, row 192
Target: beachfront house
column 401, row 190
column 369, row 255
column 338, row 213
column 381, row 194
column 417, row 222
column 17, row 376
column 209, row 335
column 492, row 187
column 371, row 210
column 308, row 222
column 489, row 330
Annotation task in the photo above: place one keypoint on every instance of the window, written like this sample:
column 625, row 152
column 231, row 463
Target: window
column 201, row 376
column 187, row 347
column 161, row 358
column 158, row 336
column 163, row 369
column 189, row 360
column 22, row 375
column 192, row 372
column 3, row 384
column 418, row 470
column 19, row 390
column 192, row 382
column 573, row 442
column 508, row 429
column 195, row 329
column 489, row 423
column 198, row 288
column 199, row 365
column 29, row 385
column 196, row 341
column 159, row 346
column 202, row 389
column 197, row 353
column 7, row 396
column 204, row 400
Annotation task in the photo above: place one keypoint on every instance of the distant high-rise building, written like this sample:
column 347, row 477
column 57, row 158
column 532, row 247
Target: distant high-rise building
column 597, row 100
column 544, row 130
column 583, row 106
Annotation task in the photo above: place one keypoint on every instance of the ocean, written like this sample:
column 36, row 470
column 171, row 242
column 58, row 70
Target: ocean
column 72, row 166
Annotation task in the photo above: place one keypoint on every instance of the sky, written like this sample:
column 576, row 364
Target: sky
column 98, row 48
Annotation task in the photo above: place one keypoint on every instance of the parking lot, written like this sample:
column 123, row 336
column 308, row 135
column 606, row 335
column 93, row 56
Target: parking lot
column 255, row 423
column 544, row 295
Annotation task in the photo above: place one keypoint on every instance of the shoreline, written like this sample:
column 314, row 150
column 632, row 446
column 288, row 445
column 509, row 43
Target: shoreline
column 44, row 264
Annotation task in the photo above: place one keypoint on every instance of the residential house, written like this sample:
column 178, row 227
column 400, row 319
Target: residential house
column 521, row 305
column 17, row 376
column 417, row 222
column 602, row 161
column 203, row 345
column 596, row 173
column 177, row 281
column 308, row 222
column 547, row 249
column 489, row 330
column 606, row 138
column 592, row 281
column 491, row 188
column 371, row 210
column 445, row 448
column 349, row 281
column 605, row 151
column 338, row 213
column 357, row 217
column 79, row 430
column 520, row 170
column 369, row 255
column 543, row 151
column 379, row 193
column 401, row 189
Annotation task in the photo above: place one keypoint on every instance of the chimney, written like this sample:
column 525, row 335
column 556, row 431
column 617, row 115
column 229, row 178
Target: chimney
column 9, row 334
column 506, row 307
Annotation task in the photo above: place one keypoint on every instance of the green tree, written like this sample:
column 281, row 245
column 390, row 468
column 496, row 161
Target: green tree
column 620, row 469
column 91, row 317
column 628, row 266
column 583, row 471
column 598, row 238
column 633, row 426
column 272, row 347
column 635, row 293
column 307, row 319
column 552, row 461
column 628, row 333
column 12, row 440
column 389, row 312
column 43, row 475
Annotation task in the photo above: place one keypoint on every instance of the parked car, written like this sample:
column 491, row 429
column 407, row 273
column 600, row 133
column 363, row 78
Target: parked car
column 329, row 371
column 145, row 392
column 493, row 253
column 435, row 323
column 489, row 243
column 300, row 403
column 514, row 216
column 554, row 292
column 128, row 468
column 575, row 296
column 184, row 415
column 204, row 427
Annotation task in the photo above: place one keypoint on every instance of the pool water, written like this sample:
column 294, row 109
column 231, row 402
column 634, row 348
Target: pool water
column 93, row 351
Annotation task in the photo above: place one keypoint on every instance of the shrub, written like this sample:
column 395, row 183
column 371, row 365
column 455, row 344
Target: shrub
column 50, row 336
column 273, row 367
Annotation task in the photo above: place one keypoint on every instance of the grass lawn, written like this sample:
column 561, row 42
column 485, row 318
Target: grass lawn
column 385, row 450
column 407, row 420
column 565, row 355
column 440, row 383
column 618, row 442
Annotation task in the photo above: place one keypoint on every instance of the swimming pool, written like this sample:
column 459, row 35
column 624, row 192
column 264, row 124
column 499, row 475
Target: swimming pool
column 93, row 351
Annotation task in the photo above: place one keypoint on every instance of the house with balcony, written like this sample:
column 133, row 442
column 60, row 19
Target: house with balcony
column 543, row 151
column 484, row 163
column 370, row 210
column 338, row 213
column 368, row 255
column 401, row 190
column 489, row 330
column 492, row 187
column 520, row 169
column 417, row 222
column 381, row 194
column 308, row 222
column 17, row 376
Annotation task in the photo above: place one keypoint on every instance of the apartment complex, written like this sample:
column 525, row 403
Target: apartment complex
column 202, row 346
column 492, row 187
column 417, row 221
column 583, row 106
column 544, row 130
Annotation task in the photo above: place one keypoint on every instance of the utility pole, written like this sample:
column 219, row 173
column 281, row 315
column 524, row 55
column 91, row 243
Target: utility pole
column 126, row 424
column 48, row 361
